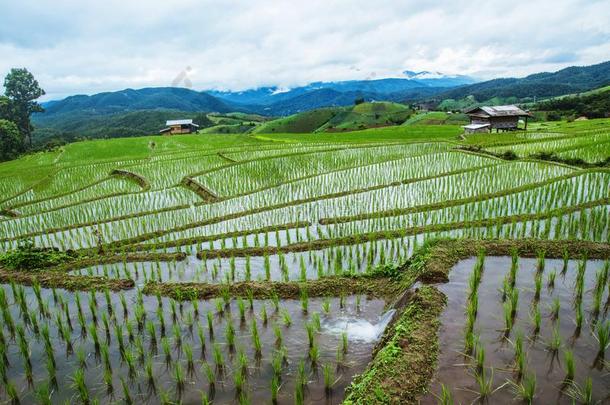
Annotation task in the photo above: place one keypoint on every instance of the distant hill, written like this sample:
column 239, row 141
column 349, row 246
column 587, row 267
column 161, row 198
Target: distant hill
column 338, row 119
column 591, row 104
column 168, row 98
column 573, row 79
column 275, row 100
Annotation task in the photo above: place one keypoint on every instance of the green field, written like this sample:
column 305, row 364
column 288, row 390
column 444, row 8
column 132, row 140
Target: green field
column 266, row 266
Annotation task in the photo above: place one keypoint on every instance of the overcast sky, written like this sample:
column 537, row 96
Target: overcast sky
column 84, row 47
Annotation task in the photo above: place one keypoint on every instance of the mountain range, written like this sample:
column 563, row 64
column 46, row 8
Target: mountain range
column 75, row 115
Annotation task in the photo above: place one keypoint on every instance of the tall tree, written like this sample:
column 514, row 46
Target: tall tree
column 22, row 90
column 10, row 140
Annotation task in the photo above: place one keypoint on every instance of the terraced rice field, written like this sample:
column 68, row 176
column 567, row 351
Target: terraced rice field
column 238, row 269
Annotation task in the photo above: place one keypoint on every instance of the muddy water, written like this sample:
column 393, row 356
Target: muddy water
column 361, row 319
column 549, row 368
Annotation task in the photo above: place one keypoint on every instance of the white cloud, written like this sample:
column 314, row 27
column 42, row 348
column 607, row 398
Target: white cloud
column 77, row 47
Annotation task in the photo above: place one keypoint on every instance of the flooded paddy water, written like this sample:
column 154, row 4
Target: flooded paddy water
column 558, row 307
column 153, row 349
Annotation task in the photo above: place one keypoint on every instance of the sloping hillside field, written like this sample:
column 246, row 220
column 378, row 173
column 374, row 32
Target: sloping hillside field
column 390, row 265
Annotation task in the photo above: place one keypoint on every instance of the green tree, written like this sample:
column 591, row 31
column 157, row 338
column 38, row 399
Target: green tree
column 22, row 90
column 10, row 140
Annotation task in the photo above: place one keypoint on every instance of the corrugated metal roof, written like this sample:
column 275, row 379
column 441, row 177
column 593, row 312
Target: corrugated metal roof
column 178, row 122
column 499, row 111
column 475, row 126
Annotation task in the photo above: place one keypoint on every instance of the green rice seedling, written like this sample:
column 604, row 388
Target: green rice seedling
column 129, row 327
column 201, row 336
column 161, row 319
column 130, row 361
column 51, row 371
column 264, row 316
column 329, row 378
column 299, row 394
column 218, row 357
column 505, row 288
column 210, row 319
column 315, row 319
column 248, row 274
column 43, row 394
column 242, row 310
column 484, row 384
column 540, row 261
column 514, row 302
column 525, row 389
column 275, row 389
column 126, row 393
column 82, row 357
column 277, row 362
column 551, row 280
column 220, row 307
column 514, row 267
column 538, row 286
column 179, row 378
column 12, row 393
column 276, row 301
column 303, row 269
column 209, row 374
column 106, row 324
column 167, row 351
column 278, row 335
column 230, row 335
column 78, row 384
column 238, row 382
column 341, row 301
column 301, row 378
column 286, row 317
column 310, row 328
column 150, row 375
column 250, row 296
column 267, row 266
column 188, row 354
column 326, row 306
column 304, row 301
column 536, row 320
column 555, row 308
column 177, row 332
column 344, row 343
column 470, row 340
column 570, row 368
column 256, row 341
column 314, row 355
column 152, row 333
column 579, row 316
column 204, row 399
column 445, row 397
column 479, row 357
column 108, row 381
column 582, row 394
column 242, row 360
column 105, row 354
column 508, row 318
column 554, row 343
column 520, row 364
column 602, row 335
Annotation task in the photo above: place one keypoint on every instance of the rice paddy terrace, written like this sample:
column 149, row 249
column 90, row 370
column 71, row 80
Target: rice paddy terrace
column 381, row 266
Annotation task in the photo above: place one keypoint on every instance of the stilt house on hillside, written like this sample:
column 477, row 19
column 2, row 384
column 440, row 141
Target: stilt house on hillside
column 500, row 118
column 179, row 127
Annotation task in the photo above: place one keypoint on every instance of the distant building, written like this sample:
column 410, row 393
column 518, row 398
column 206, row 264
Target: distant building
column 179, row 127
column 500, row 118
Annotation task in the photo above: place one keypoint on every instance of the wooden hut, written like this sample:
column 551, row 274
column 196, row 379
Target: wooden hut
column 500, row 118
column 179, row 127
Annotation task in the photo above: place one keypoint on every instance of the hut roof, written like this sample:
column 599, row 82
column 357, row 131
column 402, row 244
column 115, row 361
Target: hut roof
column 179, row 122
column 498, row 111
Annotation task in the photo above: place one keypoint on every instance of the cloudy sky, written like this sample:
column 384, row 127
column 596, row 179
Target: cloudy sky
column 84, row 47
